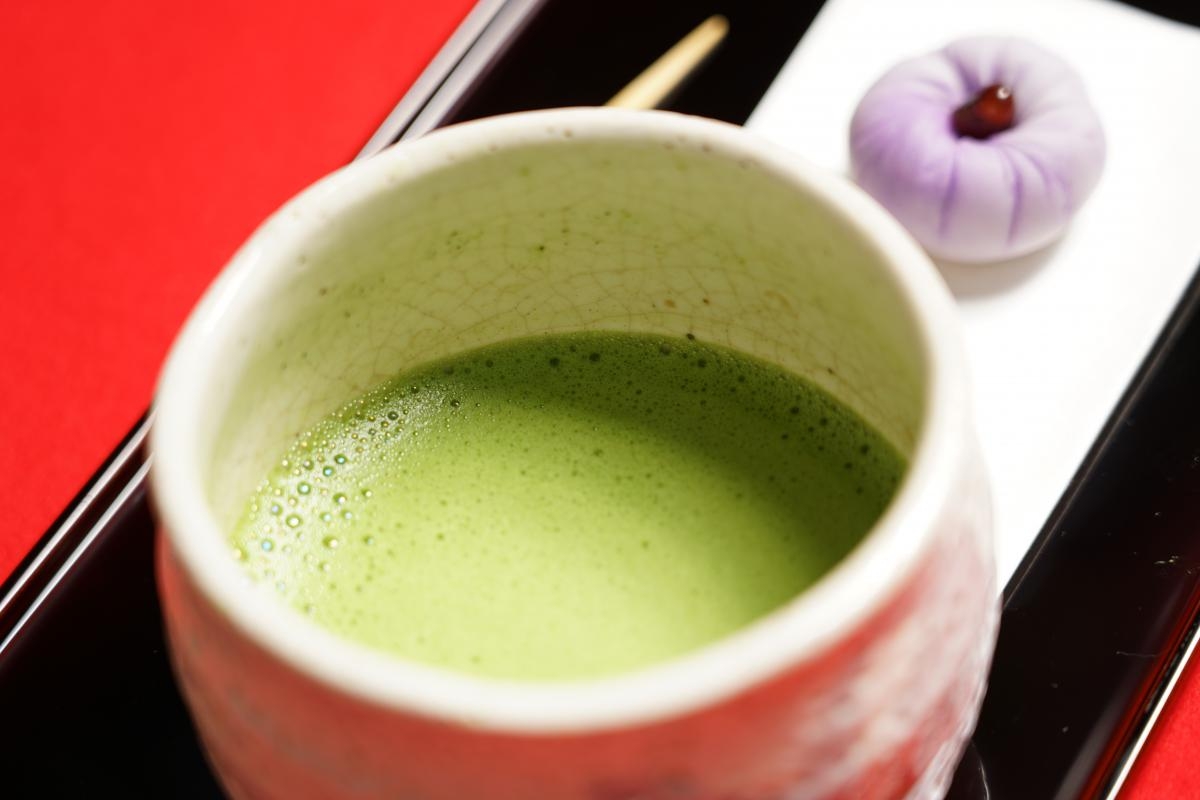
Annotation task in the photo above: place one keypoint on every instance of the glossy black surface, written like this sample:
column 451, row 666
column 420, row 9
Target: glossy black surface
column 1091, row 623
column 1098, row 610
column 583, row 53
column 88, row 706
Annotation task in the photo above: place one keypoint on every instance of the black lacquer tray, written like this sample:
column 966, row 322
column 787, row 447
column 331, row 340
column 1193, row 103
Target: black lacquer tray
column 1095, row 628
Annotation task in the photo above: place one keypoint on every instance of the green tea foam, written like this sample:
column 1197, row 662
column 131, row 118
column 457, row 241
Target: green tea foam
column 566, row 506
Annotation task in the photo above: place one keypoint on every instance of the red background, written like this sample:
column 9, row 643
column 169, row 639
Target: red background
column 142, row 143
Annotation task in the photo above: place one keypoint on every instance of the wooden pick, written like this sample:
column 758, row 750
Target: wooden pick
column 658, row 80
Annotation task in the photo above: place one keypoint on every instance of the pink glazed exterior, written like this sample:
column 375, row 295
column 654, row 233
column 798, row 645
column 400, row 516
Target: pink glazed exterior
column 882, row 714
column 864, row 686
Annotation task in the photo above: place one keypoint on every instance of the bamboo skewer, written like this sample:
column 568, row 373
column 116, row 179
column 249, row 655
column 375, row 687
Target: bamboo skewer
column 672, row 68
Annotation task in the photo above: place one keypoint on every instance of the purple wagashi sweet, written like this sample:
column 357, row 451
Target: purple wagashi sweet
column 968, row 187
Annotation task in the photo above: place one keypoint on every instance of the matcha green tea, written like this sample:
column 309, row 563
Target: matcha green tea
column 567, row 506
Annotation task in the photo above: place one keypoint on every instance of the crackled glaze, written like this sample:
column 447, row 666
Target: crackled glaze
column 864, row 686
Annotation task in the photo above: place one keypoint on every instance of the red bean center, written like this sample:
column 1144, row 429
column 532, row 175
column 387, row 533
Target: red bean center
column 987, row 113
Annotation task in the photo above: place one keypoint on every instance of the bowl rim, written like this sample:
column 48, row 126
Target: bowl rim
column 840, row 603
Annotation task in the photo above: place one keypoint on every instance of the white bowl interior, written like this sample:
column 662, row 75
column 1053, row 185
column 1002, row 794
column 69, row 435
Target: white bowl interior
column 447, row 246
